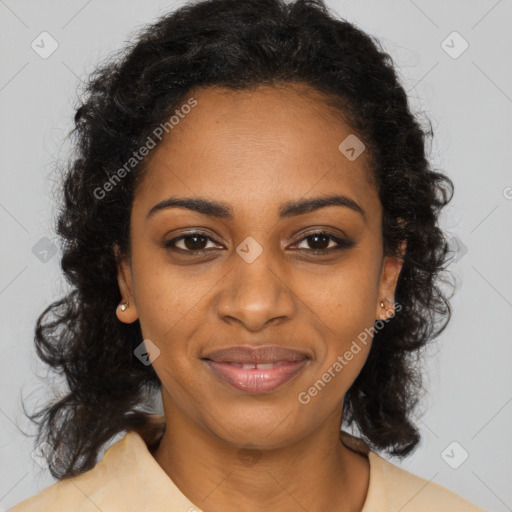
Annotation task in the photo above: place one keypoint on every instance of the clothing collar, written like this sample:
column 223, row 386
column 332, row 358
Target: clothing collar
column 133, row 455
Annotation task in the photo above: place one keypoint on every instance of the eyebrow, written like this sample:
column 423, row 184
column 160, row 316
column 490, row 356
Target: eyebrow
column 286, row 210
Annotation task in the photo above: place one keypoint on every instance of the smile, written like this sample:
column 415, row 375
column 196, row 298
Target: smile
column 256, row 377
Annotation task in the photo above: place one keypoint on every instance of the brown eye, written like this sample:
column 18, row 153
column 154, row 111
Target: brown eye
column 320, row 242
column 194, row 242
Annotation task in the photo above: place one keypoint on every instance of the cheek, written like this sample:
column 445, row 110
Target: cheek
column 163, row 299
column 345, row 298
column 345, row 306
column 171, row 307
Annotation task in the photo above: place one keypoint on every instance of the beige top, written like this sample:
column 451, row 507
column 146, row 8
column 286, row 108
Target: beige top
column 129, row 479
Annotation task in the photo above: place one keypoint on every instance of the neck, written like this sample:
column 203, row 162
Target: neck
column 316, row 474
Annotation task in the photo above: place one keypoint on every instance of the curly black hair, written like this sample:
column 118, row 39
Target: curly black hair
column 238, row 45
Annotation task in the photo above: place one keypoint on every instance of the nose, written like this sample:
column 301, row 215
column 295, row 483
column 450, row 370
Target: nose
column 256, row 294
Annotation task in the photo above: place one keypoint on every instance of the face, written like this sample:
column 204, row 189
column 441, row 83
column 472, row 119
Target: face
column 260, row 269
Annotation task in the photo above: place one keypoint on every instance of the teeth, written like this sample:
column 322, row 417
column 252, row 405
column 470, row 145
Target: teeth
column 253, row 366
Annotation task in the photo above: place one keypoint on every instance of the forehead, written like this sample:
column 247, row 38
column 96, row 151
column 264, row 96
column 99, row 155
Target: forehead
column 259, row 148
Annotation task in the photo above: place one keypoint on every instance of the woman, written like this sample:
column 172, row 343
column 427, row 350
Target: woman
column 250, row 227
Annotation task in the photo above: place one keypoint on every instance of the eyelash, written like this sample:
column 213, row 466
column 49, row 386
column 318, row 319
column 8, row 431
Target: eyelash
column 342, row 243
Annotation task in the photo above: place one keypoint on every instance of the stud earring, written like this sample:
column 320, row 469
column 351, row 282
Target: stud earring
column 123, row 306
column 382, row 305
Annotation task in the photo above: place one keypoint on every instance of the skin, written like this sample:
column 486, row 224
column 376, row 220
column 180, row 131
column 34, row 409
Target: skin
column 255, row 150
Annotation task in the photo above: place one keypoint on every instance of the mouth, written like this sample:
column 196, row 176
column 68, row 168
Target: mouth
column 256, row 370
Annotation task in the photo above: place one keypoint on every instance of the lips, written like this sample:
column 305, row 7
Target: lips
column 256, row 370
column 266, row 354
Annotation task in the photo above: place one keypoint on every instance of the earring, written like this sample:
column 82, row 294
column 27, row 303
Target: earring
column 382, row 305
column 123, row 306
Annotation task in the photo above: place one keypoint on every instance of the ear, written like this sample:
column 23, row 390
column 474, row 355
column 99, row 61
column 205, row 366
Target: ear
column 391, row 268
column 125, row 282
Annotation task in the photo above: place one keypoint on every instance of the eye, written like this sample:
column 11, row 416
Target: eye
column 193, row 242
column 321, row 241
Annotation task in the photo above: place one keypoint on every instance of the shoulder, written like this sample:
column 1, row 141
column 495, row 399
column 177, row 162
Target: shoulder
column 394, row 488
column 58, row 497
column 82, row 492
column 63, row 496
column 399, row 489
column 128, row 478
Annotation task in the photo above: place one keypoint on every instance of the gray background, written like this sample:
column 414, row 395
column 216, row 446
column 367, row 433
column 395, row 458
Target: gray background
column 467, row 98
